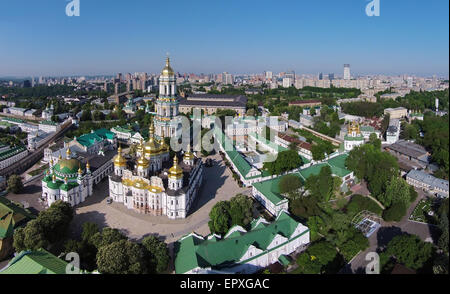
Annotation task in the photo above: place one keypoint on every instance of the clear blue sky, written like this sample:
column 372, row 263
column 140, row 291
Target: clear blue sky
column 205, row 36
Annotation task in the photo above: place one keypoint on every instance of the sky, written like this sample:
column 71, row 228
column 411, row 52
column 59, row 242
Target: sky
column 212, row 36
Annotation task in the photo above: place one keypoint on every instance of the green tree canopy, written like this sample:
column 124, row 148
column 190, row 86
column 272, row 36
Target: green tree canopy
column 15, row 184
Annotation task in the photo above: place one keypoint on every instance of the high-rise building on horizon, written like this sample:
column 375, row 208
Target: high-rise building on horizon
column 347, row 75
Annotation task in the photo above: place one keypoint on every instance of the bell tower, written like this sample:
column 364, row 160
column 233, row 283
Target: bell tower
column 167, row 103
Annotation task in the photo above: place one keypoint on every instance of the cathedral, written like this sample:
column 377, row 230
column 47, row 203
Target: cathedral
column 354, row 137
column 151, row 182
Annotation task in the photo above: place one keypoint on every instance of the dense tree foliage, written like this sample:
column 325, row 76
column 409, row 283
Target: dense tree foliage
column 374, row 166
column 285, row 161
column 290, row 185
column 408, row 250
column 15, row 184
column 225, row 214
column 317, row 259
column 157, row 254
column 121, row 257
column 322, row 186
column 50, row 226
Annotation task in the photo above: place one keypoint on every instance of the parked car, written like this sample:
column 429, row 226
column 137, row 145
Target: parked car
column 109, row 200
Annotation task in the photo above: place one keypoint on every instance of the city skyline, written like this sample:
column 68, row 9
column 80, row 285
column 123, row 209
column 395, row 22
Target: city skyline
column 409, row 37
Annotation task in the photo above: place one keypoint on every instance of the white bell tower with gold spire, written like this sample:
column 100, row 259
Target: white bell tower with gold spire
column 166, row 106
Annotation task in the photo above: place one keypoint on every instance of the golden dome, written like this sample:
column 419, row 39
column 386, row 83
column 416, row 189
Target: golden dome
column 175, row 171
column 152, row 147
column 68, row 152
column 140, row 184
column 80, row 171
column 188, row 155
column 88, row 166
column 167, row 70
column 353, row 127
column 119, row 160
column 142, row 162
column 53, row 178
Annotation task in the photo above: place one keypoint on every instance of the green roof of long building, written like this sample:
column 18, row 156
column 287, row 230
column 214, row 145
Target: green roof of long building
column 11, row 152
column 193, row 251
column 35, row 262
column 11, row 216
column 95, row 136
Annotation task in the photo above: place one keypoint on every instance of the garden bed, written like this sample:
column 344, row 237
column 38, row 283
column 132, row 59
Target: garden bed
column 423, row 212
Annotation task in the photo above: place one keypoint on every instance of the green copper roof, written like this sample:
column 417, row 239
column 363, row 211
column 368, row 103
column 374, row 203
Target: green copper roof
column 270, row 189
column 99, row 135
column 337, row 165
column 35, row 262
column 11, row 216
column 48, row 122
column 349, row 138
column 367, row 129
column 192, row 251
column 67, row 166
column 11, row 152
column 241, row 164
column 58, row 184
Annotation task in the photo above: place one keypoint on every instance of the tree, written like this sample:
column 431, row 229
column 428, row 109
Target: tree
column 397, row 191
column 86, row 115
column 107, row 236
column 375, row 141
column 89, row 230
column 443, row 226
column 241, row 210
column 395, row 212
column 121, row 257
column 30, row 237
column 285, row 161
column 321, row 185
column 49, row 227
column 289, row 184
column 317, row 257
column 219, row 218
column 158, row 254
column 317, row 152
column 409, row 250
column 15, row 184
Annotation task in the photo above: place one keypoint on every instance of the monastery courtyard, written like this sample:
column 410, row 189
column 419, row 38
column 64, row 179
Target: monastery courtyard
column 218, row 185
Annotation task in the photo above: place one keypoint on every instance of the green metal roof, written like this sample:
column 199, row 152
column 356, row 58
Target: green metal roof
column 241, row 164
column 284, row 260
column 48, row 122
column 67, row 166
column 192, row 252
column 12, row 216
column 11, row 152
column 35, row 262
column 367, row 129
column 270, row 189
column 349, row 138
column 99, row 135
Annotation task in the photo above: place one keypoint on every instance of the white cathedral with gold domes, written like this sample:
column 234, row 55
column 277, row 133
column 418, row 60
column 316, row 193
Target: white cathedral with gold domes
column 150, row 182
